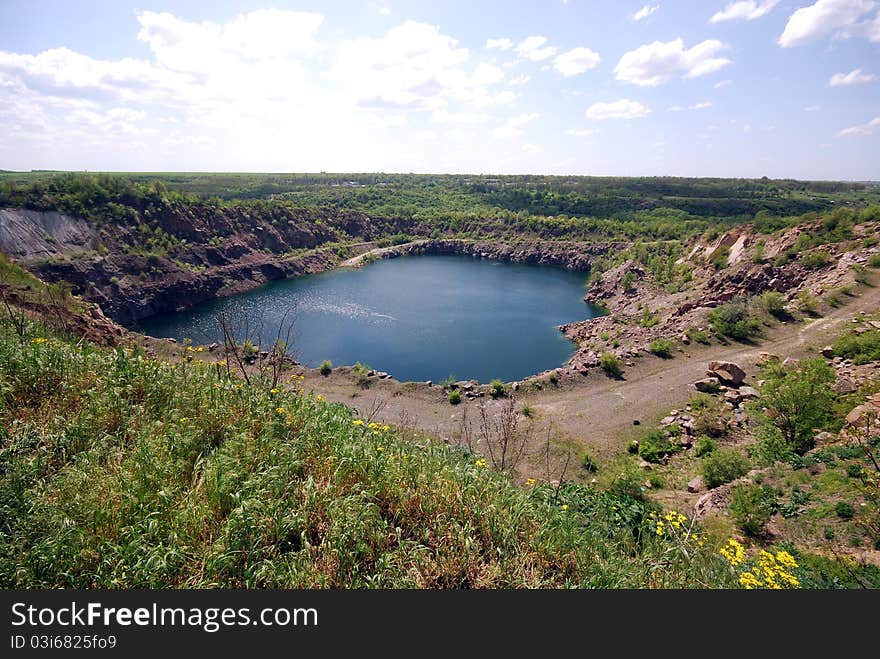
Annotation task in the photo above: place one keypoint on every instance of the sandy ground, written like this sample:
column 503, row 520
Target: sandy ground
column 593, row 411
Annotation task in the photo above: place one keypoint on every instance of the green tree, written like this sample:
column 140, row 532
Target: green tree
column 794, row 401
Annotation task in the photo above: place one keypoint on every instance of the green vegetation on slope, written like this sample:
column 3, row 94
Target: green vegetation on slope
column 119, row 471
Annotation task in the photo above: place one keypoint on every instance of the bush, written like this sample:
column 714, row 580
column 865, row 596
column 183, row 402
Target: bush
column 360, row 372
column 655, row 446
column 656, row 481
column 326, row 367
column 794, row 401
column 698, row 335
column 844, row 510
column 751, row 507
column 661, row 348
column 633, row 447
column 854, row 470
column 527, row 410
column 704, row 446
column 723, row 466
column 554, row 377
column 807, row 303
column 454, row 397
column 861, row 348
column 497, row 388
column 733, row 320
column 816, row 259
column 588, row 463
column 611, row 364
column 774, row 304
column 874, row 260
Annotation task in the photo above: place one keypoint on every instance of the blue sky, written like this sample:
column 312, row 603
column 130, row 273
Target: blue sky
column 742, row 88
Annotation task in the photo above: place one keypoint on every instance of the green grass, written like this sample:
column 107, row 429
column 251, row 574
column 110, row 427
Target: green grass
column 118, row 471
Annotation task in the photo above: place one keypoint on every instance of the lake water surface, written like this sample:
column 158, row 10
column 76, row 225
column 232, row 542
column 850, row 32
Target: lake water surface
column 416, row 317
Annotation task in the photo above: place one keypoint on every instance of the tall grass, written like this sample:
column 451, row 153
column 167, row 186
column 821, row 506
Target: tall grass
column 120, row 471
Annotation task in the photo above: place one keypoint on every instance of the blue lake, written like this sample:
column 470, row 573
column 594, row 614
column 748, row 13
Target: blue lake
column 416, row 317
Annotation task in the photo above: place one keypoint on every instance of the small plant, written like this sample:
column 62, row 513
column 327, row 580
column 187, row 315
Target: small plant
column 647, row 319
column 326, row 367
column 704, row 446
column 449, row 381
column 874, row 260
column 733, row 320
column 588, row 463
column 633, row 447
column 527, row 411
column 655, row 446
column 454, row 397
column 854, row 470
column 774, row 303
column 611, row 364
column 554, row 377
column 751, row 507
column 497, row 388
column 661, row 348
column 698, row 335
column 807, row 303
column 723, row 466
column 656, row 481
column 844, row 510
column 361, row 374
column 720, row 258
column 816, row 259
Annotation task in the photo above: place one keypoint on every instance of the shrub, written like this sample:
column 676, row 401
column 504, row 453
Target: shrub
column 720, row 257
column 704, row 446
column 723, row 466
column 655, row 446
column 454, row 397
column 793, row 402
column 588, row 463
column 497, row 388
column 554, row 377
column 774, row 304
column 633, row 447
column 449, row 381
column 656, row 481
column 698, row 335
column 527, row 410
column 807, row 303
column 733, row 320
column 844, row 510
column 661, row 348
column 874, row 260
column 647, row 319
column 751, row 507
column 854, row 470
column 611, row 364
column 326, row 367
column 816, row 259
column 860, row 348
column 361, row 377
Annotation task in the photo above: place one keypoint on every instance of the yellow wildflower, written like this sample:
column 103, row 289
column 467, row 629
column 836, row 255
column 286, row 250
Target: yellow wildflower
column 273, row 391
column 734, row 552
column 279, row 410
column 785, row 559
column 386, row 428
column 358, row 422
column 749, row 581
column 481, row 463
column 565, row 506
column 530, row 482
column 38, row 340
column 320, row 398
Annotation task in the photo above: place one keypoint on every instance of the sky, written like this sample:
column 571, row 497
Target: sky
column 742, row 88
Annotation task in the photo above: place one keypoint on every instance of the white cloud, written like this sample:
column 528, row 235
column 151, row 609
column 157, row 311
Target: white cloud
column 854, row 77
column 675, row 108
column 518, row 80
column 576, row 61
column 722, row 83
column 744, row 10
column 445, row 117
column 862, row 129
column 658, row 62
column 581, row 132
column 414, row 66
column 644, row 12
column 700, row 106
column 812, row 108
column 511, row 127
column 533, row 48
column 622, row 109
column 826, row 17
column 500, row 44
column 532, row 148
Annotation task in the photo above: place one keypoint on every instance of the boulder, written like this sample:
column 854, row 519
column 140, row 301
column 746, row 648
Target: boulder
column 727, row 372
column 790, row 362
column 827, row 352
column 747, row 393
column 696, row 485
column 845, row 386
column 766, row 358
column 707, row 385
